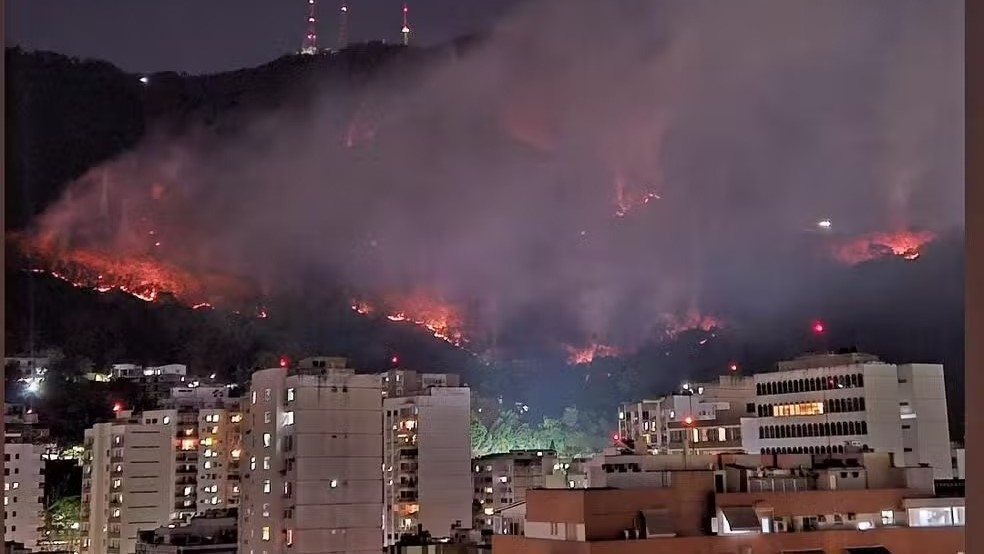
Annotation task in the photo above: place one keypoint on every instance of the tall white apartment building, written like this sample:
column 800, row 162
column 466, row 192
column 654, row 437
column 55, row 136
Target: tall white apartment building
column 150, row 469
column 826, row 403
column 426, row 456
column 208, row 449
column 128, row 480
column 23, row 492
column 313, row 445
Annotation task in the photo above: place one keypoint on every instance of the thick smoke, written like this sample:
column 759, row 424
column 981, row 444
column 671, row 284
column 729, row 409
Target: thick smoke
column 609, row 163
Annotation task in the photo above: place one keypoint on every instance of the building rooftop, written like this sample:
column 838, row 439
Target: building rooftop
column 810, row 361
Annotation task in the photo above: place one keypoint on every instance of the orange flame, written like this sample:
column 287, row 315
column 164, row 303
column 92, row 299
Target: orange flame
column 440, row 319
column 674, row 325
column 586, row 355
column 904, row 244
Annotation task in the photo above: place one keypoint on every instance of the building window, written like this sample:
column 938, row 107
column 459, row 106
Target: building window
column 265, row 534
column 253, row 397
column 266, row 395
column 801, row 409
column 288, row 418
column 290, row 395
column 167, row 420
column 266, row 462
column 289, row 537
column 252, row 462
column 930, row 517
column 267, row 416
column 267, row 440
column 267, row 486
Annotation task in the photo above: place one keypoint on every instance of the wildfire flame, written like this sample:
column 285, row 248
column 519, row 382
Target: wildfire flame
column 674, row 325
column 904, row 244
column 142, row 277
column 586, row 355
column 440, row 319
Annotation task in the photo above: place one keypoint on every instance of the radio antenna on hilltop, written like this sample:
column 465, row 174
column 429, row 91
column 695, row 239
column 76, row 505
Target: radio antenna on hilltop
column 406, row 25
column 311, row 39
column 343, row 26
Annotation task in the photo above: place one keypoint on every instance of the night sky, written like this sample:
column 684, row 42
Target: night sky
column 201, row 36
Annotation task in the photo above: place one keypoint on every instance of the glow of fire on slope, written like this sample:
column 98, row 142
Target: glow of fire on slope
column 441, row 320
column 904, row 244
column 693, row 320
column 586, row 355
column 141, row 277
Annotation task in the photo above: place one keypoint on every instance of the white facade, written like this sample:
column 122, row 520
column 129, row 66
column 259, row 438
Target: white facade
column 427, row 459
column 822, row 404
column 23, row 492
column 313, row 452
column 128, row 481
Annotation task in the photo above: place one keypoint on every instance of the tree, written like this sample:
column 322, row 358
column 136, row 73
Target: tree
column 61, row 525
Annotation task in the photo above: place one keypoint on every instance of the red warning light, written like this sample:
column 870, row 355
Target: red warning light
column 688, row 420
column 283, row 361
column 733, row 367
column 818, row 328
column 615, row 437
column 394, row 360
column 117, row 408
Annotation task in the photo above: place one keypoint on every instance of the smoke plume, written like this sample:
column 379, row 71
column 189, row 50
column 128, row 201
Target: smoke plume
column 613, row 164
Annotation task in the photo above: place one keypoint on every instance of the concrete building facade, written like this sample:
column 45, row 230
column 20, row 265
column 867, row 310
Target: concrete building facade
column 23, row 496
column 312, row 480
column 427, row 460
column 829, row 403
column 500, row 483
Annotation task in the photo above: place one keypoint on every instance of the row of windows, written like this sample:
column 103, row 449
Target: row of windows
column 830, row 406
column 828, row 429
column 810, row 384
column 822, row 449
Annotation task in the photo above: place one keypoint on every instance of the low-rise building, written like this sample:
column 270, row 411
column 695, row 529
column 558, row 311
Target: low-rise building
column 500, row 483
column 750, row 503
column 213, row 532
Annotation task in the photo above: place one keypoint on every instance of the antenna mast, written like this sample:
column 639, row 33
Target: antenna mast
column 311, row 39
column 406, row 25
column 343, row 26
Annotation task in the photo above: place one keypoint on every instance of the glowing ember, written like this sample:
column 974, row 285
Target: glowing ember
column 584, row 356
column 625, row 201
column 202, row 306
column 904, row 244
column 362, row 308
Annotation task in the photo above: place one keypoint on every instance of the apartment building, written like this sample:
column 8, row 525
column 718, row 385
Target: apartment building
column 23, row 496
column 751, row 503
column 129, row 473
column 701, row 418
column 155, row 381
column 208, row 453
column 426, row 455
column 501, row 481
column 313, row 444
column 829, row 403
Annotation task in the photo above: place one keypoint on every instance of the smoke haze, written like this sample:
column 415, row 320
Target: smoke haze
column 613, row 165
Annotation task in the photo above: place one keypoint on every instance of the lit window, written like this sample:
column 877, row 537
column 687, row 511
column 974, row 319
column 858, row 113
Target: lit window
column 117, row 483
column 188, row 444
column 289, row 537
column 289, row 418
column 267, row 417
column 266, row 462
column 333, row 483
column 489, row 511
column 504, row 479
column 696, row 435
column 188, row 491
column 252, row 462
column 267, row 440
column 167, row 419
column 888, row 517
column 253, row 397
column 236, row 453
column 801, row 409
column 488, row 490
column 267, row 486
column 930, row 517
column 290, row 395
column 722, row 434
column 214, row 500
column 265, row 535
column 214, row 430
column 236, row 418
column 207, row 465
column 116, row 512
column 265, row 512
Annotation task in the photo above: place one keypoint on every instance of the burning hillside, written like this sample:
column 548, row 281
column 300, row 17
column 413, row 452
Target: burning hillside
column 440, row 319
column 904, row 244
